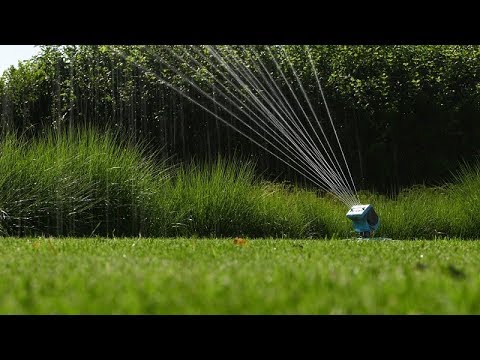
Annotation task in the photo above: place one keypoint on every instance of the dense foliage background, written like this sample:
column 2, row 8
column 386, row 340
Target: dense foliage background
column 405, row 114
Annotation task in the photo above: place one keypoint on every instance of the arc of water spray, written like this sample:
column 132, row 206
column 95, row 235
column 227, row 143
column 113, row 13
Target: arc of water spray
column 319, row 160
column 331, row 120
column 181, row 92
column 274, row 112
column 318, row 122
column 303, row 157
column 278, row 102
column 255, row 83
column 313, row 162
column 248, row 99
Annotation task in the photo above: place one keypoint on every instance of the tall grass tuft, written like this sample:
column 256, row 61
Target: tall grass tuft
column 211, row 199
column 75, row 183
column 87, row 183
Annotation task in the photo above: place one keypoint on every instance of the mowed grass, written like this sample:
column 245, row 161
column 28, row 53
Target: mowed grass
column 202, row 276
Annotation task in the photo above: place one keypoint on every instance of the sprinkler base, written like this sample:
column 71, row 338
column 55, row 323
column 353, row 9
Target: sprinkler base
column 366, row 234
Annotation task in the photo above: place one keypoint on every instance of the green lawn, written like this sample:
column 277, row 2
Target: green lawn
column 198, row 276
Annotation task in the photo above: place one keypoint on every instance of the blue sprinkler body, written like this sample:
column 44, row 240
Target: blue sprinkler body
column 365, row 219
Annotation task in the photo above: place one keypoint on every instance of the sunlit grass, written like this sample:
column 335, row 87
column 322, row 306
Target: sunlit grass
column 206, row 276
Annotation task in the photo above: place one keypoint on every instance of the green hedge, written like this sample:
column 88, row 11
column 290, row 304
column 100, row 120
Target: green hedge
column 405, row 114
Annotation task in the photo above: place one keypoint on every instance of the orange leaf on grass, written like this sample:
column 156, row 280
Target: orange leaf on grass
column 239, row 241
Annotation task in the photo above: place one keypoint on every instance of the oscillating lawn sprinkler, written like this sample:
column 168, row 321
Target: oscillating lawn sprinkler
column 365, row 219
